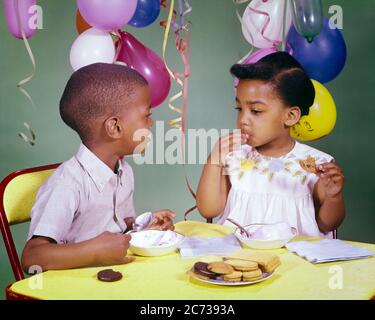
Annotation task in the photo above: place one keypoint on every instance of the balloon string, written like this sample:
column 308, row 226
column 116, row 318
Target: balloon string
column 283, row 45
column 27, row 79
column 275, row 43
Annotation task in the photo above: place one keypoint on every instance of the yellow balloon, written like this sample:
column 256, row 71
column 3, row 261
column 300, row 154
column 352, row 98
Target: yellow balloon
column 321, row 119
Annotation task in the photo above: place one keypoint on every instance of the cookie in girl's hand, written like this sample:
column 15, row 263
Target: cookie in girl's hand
column 309, row 165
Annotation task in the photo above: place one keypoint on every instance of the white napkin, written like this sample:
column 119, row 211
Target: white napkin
column 197, row 246
column 327, row 250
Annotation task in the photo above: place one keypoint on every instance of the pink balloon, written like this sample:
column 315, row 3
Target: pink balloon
column 255, row 57
column 25, row 10
column 147, row 63
column 107, row 14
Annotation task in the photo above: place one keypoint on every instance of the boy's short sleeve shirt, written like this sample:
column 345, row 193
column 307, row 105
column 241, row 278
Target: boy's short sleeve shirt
column 82, row 199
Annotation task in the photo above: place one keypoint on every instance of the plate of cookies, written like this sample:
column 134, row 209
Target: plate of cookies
column 230, row 272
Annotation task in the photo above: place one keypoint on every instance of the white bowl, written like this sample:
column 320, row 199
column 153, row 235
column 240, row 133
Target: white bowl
column 268, row 242
column 141, row 242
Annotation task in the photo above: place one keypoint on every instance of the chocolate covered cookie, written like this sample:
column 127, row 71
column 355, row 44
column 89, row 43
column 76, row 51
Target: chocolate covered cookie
column 108, row 275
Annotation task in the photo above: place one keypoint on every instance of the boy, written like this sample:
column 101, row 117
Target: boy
column 83, row 210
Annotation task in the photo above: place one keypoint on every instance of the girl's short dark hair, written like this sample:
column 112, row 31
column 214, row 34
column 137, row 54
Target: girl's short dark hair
column 285, row 74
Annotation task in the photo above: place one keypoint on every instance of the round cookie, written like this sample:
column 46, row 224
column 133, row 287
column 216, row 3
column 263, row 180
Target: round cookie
column 252, row 275
column 108, row 275
column 308, row 164
column 235, row 276
column 200, row 268
column 220, row 267
column 242, row 265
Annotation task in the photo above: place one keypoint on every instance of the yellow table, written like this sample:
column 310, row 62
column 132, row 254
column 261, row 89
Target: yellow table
column 166, row 277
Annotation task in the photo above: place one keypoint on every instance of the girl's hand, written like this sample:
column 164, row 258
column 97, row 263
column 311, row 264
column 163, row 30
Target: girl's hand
column 162, row 220
column 225, row 145
column 331, row 179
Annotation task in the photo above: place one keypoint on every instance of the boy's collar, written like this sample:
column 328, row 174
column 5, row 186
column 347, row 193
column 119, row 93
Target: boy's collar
column 99, row 172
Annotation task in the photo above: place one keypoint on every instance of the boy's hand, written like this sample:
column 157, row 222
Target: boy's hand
column 111, row 248
column 331, row 179
column 162, row 220
column 225, row 145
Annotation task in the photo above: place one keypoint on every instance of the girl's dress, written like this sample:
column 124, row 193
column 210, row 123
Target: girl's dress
column 268, row 190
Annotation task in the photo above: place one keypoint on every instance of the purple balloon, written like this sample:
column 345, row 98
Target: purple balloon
column 324, row 58
column 24, row 8
column 255, row 57
column 107, row 14
column 148, row 64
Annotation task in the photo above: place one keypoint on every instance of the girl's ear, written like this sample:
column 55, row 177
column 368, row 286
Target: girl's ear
column 293, row 115
column 113, row 127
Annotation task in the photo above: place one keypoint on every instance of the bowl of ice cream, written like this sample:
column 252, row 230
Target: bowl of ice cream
column 266, row 236
column 151, row 243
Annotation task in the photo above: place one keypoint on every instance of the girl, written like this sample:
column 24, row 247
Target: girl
column 271, row 177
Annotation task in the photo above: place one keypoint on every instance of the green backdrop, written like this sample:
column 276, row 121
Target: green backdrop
column 216, row 43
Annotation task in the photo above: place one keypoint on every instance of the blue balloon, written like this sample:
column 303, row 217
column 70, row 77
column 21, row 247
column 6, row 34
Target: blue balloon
column 324, row 58
column 146, row 13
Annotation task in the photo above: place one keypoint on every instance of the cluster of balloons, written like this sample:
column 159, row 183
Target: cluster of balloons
column 95, row 20
column 320, row 49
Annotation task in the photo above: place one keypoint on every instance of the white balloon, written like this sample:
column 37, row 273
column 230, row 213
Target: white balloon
column 90, row 47
column 254, row 22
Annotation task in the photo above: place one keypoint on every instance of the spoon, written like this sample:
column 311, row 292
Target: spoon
column 242, row 229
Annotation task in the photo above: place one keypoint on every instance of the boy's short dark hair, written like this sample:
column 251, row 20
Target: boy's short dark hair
column 94, row 91
column 285, row 74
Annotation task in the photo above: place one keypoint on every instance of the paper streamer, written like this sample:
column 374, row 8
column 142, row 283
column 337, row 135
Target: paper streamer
column 182, row 43
column 27, row 79
column 23, row 136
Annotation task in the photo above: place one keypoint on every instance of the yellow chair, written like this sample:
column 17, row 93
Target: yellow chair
column 18, row 191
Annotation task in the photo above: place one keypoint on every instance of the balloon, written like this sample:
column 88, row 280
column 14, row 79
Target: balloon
column 321, row 119
column 255, row 57
column 146, row 13
column 81, row 23
column 256, row 28
column 307, row 17
column 324, row 58
column 107, row 14
column 22, row 7
column 90, row 47
column 147, row 63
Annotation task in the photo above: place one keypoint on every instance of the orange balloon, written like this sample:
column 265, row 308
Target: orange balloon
column 81, row 23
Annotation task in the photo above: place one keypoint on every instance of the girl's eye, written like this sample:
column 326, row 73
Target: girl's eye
column 256, row 111
column 149, row 115
column 238, row 108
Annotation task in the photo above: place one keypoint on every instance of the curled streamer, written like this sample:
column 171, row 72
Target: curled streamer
column 27, row 79
column 182, row 44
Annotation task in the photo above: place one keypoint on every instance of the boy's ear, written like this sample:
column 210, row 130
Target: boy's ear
column 293, row 115
column 113, row 127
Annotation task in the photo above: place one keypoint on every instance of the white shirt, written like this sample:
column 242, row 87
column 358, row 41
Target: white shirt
column 82, row 199
column 268, row 190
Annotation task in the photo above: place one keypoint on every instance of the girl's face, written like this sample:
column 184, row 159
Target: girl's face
column 262, row 115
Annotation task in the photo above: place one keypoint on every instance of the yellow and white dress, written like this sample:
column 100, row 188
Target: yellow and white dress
column 269, row 190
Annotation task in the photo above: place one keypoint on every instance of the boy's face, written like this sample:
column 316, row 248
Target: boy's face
column 137, row 121
column 261, row 113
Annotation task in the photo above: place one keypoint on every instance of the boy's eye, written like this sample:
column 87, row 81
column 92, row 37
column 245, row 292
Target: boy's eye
column 238, row 108
column 256, row 111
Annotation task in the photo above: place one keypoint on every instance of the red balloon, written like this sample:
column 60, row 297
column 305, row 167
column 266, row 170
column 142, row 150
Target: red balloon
column 148, row 64
column 81, row 23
